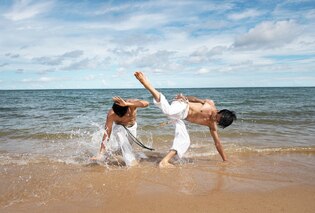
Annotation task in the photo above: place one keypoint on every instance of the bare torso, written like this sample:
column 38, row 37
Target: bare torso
column 129, row 119
column 202, row 114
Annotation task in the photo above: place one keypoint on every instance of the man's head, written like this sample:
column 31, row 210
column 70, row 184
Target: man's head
column 226, row 118
column 119, row 110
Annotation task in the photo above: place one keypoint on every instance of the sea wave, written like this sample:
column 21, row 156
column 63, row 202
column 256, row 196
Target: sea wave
column 304, row 150
column 201, row 150
column 82, row 156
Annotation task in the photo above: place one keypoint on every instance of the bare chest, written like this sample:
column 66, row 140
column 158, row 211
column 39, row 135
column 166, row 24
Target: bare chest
column 128, row 119
column 199, row 118
column 199, row 115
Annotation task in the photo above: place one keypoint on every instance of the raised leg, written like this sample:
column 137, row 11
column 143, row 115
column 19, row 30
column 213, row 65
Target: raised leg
column 145, row 82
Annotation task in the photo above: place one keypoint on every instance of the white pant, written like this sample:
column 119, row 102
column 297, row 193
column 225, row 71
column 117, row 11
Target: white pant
column 177, row 111
column 120, row 140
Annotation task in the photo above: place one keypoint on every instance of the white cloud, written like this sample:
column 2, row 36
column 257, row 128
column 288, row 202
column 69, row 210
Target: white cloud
column 310, row 14
column 59, row 59
column 203, row 70
column 89, row 77
column 78, row 65
column 249, row 13
column 128, row 52
column 213, row 24
column 204, row 55
column 143, row 21
column 40, row 80
column 200, row 55
column 269, row 35
column 73, row 54
column 24, row 9
column 159, row 59
column 133, row 22
column 104, row 82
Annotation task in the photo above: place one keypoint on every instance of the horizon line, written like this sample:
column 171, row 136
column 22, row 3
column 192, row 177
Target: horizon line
column 160, row 88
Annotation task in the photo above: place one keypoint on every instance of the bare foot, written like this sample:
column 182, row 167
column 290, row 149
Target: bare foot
column 141, row 77
column 166, row 165
column 224, row 163
column 134, row 163
column 98, row 157
column 145, row 82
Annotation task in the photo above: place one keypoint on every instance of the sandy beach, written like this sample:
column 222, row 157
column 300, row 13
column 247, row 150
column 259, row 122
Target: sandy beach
column 249, row 183
column 48, row 138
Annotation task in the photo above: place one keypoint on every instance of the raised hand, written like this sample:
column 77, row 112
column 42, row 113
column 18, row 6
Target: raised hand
column 121, row 102
column 180, row 96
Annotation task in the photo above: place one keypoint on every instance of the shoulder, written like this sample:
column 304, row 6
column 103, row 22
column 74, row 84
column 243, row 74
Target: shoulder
column 209, row 101
column 111, row 114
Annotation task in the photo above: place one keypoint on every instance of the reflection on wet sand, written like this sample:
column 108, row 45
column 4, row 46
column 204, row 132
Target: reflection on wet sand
column 52, row 186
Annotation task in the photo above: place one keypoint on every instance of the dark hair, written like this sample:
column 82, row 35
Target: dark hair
column 227, row 118
column 119, row 110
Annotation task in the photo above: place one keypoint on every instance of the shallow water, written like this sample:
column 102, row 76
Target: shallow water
column 48, row 136
column 67, row 125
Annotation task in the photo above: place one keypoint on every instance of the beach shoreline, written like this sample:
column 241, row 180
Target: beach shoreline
column 201, row 185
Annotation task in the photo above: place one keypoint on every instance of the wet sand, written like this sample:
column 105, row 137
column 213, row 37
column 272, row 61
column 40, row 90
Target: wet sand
column 249, row 183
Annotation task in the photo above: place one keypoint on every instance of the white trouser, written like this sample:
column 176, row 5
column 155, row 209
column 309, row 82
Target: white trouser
column 177, row 111
column 120, row 140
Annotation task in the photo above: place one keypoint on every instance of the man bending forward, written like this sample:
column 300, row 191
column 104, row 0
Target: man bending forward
column 120, row 120
column 192, row 109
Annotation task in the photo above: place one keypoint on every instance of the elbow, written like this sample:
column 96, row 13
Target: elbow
column 145, row 104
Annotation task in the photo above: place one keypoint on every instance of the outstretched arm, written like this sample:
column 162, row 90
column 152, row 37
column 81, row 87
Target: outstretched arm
column 131, row 102
column 206, row 103
column 194, row 99
column 218, row 144
column 139, row 103
column 108, row 131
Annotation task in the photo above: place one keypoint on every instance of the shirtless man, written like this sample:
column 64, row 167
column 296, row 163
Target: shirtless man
column 192, row 109
column 122, row 115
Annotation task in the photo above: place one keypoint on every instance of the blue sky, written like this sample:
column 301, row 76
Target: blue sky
column 59, row 44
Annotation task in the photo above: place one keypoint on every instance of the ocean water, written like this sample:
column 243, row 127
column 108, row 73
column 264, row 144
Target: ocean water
column 67, row 125
column 47, row 138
